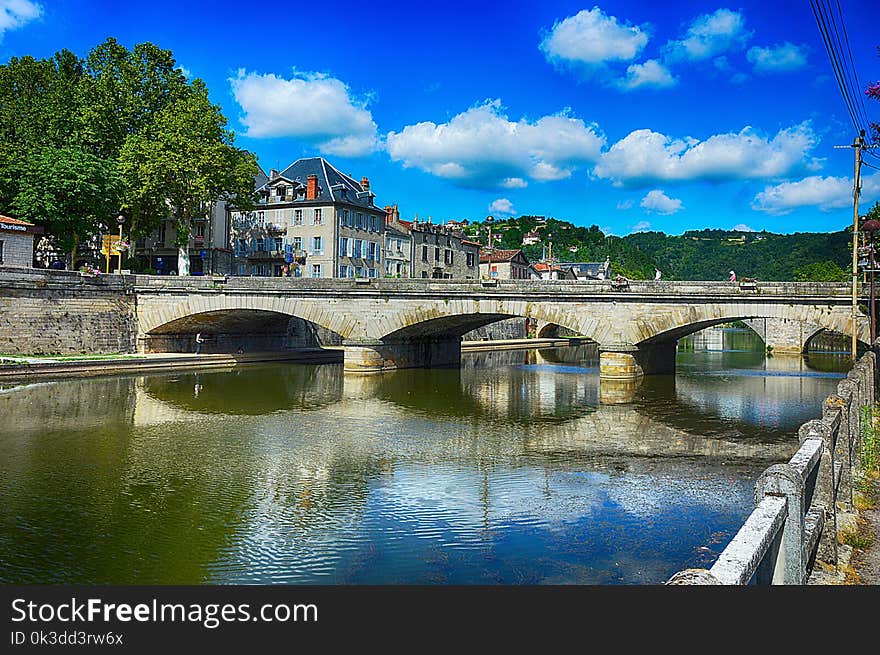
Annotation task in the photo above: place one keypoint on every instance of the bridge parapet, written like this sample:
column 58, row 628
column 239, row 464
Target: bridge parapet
column 794, row 522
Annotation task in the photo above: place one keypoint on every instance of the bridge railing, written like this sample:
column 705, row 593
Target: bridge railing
column 794, row 522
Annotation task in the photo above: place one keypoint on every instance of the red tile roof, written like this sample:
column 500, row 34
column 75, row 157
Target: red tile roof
column 12, row 221
column 498, row 256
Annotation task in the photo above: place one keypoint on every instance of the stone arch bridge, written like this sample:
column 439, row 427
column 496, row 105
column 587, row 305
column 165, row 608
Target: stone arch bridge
column 388, row 324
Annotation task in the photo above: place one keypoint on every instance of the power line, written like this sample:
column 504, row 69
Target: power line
column 852, row 64
column 849, row 71
column 821, row 23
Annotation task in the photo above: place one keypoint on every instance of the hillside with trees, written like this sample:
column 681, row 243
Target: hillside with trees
column 694, row 255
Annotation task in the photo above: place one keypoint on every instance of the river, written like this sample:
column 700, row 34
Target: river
column 508, row 471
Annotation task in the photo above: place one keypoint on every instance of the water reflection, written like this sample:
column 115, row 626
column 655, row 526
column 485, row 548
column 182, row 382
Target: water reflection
column 508, row 471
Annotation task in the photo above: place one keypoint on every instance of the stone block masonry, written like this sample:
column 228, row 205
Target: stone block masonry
column 65, row 313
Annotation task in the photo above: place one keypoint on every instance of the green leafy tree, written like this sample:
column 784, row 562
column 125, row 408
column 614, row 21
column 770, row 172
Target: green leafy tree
column 186, row 158
column 71, row 192
column 826, row 271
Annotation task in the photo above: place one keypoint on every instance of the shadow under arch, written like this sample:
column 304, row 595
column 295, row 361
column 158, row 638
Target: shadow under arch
column 239, row 330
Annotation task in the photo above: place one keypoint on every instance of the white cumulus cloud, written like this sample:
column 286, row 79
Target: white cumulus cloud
column 502, row 206
column 742, row 227
column 16, row 13
column 710, row 35
column 658, row 202
column 645, row 157
column 591, row 38
column 778, row 58
column 641, row 226
column 309, row 106
column 649, row 74
column 826, row 193
column 481, row 147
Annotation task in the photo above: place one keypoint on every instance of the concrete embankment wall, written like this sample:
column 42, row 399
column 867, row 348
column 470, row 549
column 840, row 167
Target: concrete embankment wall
column 64, row 313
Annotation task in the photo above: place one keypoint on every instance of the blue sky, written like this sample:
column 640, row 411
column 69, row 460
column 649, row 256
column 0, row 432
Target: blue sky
column 627, row 115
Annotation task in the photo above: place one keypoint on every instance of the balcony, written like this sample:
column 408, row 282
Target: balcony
column 266, row 254
column 275, row 228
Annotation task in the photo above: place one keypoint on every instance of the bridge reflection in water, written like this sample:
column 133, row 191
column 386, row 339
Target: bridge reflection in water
column 509, row 470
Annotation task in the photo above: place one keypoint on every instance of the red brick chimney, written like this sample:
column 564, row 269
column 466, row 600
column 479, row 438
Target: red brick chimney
column 365, row 183
column 312, row 187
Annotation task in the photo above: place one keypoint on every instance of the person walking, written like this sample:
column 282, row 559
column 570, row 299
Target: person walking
column 732, row 277
column 199, row 341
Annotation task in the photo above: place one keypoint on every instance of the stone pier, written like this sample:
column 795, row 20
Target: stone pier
column 628, row 362
column 375, row 356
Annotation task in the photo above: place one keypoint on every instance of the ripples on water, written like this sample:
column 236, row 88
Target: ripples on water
column 509, row 471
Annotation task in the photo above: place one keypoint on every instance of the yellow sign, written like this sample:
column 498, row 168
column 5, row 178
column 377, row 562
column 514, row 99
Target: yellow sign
column 108, row 244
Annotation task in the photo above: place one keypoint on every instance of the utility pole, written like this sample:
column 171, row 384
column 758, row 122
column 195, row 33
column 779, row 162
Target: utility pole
column 857, row 146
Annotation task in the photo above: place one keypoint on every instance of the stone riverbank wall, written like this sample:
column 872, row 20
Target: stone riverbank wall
column 798, row 503
column 65, row 313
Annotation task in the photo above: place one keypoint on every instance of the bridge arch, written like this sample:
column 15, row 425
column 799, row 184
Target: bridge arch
column 673, row 325
column 237, row 330
column 165, row 326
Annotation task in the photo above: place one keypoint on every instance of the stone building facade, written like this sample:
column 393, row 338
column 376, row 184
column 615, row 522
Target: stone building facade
column 505, row 265
column 311, row 221
column 441, row 252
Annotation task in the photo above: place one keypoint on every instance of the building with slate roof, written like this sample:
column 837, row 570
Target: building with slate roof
column 311, row 220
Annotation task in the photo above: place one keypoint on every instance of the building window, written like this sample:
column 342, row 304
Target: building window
column 279, row 217
column 297, row 216
column 346, row 218
column 200, row 230
column 343, row 247
column 317, row 246
column 371, row 272
column 279, row 243
column 424, row 253
column 318, row 218
column 261, row 218
column 425, row 274
column 436, row 254
column 372, row 254
column 470, row 259
column 359, row 271
column 297, row 243
column 358, row 246
column 242, row 268
column 447, row 256
column 1, row 252
column 343, row 271
column 373, row 223
column 162, row 230
column 316, row 270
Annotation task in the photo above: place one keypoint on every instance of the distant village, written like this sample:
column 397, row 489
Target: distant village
column 311, row 220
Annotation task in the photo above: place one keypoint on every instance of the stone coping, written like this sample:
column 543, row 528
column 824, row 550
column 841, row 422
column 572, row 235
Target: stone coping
column 22, row 276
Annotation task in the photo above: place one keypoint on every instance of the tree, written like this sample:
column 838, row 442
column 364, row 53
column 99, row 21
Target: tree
column 185, row 158
column 70, row 191
column 826, row 271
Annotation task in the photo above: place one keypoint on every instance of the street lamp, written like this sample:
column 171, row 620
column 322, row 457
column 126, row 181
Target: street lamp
column 870, row 227
column 489, row 221
column 119, row 219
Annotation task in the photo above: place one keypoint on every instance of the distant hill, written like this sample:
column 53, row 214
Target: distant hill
column 694, row 255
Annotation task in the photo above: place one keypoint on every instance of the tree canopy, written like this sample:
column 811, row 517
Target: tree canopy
column 121, row 130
